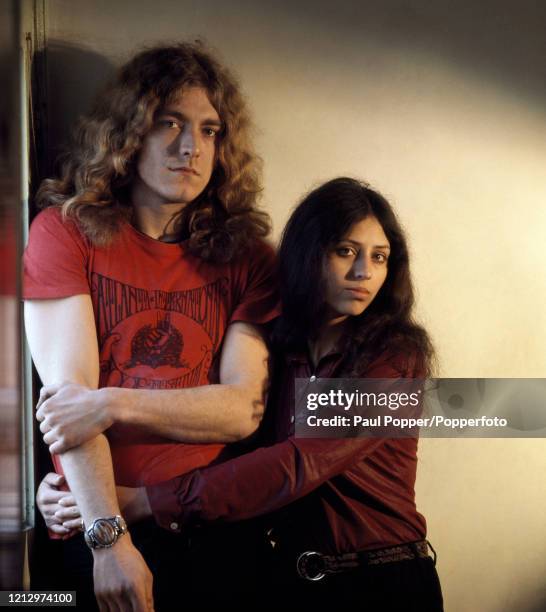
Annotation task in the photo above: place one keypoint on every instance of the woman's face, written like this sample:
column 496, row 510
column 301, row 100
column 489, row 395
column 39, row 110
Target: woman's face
column 355, row 269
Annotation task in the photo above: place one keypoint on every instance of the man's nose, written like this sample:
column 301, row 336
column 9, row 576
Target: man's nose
column 188, row 143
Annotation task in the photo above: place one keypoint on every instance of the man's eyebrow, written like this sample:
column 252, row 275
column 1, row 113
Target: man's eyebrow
column 377, row 246
column 173, row 113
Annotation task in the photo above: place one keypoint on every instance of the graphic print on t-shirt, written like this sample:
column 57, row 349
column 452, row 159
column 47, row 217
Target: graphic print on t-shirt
column 157, row 339
column 157, row 345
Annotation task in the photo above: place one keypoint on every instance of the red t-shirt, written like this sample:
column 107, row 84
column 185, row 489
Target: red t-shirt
column 161, row 314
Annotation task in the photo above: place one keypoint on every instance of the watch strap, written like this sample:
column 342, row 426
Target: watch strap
column 105, row 531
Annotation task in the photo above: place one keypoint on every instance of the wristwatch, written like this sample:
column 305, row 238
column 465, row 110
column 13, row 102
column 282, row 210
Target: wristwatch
column 105, row 532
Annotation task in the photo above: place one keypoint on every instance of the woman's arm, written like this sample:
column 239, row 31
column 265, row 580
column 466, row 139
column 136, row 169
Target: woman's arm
column 257, row 483
column 251, row 485
column 269, row 478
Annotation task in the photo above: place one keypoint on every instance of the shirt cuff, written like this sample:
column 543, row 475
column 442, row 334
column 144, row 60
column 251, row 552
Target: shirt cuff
column 168, row 511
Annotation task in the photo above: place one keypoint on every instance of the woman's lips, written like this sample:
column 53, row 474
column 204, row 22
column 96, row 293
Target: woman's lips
column 358, row 291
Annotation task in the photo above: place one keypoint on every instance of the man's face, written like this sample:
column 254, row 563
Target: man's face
column 178, row 154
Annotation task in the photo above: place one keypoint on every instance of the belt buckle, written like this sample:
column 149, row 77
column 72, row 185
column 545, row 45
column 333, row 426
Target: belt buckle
column 302, row 566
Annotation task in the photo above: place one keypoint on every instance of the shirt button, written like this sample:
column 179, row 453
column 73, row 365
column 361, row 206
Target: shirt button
column 313, row 378
column 174, row 526
column 292, row 419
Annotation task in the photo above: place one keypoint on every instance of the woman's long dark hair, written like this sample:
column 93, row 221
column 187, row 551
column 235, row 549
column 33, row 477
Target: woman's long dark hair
column 387, row 326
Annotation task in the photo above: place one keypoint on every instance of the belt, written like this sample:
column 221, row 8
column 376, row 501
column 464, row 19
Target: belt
column 314, row 566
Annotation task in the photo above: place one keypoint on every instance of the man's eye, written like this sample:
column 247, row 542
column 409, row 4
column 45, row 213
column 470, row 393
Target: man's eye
column 170, row 124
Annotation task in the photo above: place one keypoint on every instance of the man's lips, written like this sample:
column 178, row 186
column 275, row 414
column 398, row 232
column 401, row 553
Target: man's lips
column 185, row 170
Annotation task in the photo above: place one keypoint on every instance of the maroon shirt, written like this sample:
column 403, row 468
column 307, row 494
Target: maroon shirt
column 338, row 495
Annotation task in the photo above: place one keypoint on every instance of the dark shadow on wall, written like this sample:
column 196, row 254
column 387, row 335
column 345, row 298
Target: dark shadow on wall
column 538, row 606
column 66, row 79
column 497, row 41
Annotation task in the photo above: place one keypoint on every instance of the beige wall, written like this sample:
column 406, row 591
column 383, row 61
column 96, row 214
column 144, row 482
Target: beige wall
column 440, row 105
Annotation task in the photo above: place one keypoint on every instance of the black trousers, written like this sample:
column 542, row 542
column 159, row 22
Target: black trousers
column 217, row 568
column 402, row 586
column 233, row 567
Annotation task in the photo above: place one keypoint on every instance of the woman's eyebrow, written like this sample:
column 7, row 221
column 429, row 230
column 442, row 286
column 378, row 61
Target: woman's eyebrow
column 377, row 246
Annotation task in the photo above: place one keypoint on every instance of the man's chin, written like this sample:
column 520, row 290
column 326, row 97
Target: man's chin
column 180, row 199
column 186, row 196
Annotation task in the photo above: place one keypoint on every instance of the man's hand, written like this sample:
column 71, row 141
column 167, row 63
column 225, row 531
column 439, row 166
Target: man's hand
column 122, row 578
column 58, row 508
column 70, row 415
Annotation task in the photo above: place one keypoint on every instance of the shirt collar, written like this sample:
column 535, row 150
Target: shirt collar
column 301, row 356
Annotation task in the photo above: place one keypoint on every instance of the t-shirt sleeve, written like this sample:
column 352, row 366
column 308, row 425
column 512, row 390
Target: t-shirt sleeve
column 55, row 259
column 258, row 294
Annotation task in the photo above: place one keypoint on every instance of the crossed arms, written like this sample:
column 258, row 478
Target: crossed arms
column 73, row 414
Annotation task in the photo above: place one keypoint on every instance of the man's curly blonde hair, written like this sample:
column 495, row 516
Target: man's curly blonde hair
column 96, row 176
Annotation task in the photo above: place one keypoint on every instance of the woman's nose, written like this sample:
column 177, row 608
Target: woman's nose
column 362, row 269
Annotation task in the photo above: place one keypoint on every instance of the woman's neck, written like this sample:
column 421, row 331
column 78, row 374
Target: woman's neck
column 327, row 338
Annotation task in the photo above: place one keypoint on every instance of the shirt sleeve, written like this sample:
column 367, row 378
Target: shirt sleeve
column 261, row 481
column 258, row 296
column 55, row 259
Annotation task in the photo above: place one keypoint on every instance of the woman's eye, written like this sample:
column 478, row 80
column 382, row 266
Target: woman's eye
column 210, row 132
column 345, row 251
column 380, row 257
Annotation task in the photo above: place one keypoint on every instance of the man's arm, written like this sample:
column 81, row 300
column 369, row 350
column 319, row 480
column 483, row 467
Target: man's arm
column 225, row 412
column 62, row 339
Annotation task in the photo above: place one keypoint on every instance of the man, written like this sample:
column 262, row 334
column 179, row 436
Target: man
column 145, row 283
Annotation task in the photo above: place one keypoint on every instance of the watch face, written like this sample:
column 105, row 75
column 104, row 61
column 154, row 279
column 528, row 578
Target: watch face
column 104, row 532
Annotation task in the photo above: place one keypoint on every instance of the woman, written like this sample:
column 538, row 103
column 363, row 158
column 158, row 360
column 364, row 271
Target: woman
column 347, row 312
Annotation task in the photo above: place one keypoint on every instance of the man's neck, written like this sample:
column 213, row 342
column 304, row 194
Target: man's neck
column 159, row 224
column 159, row 220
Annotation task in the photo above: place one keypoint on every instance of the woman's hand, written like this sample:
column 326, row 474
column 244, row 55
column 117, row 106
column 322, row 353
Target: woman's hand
column 59, row 509
column 62, row 515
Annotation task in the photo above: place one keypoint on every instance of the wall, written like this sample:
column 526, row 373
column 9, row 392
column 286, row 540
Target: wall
column 440, row 105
